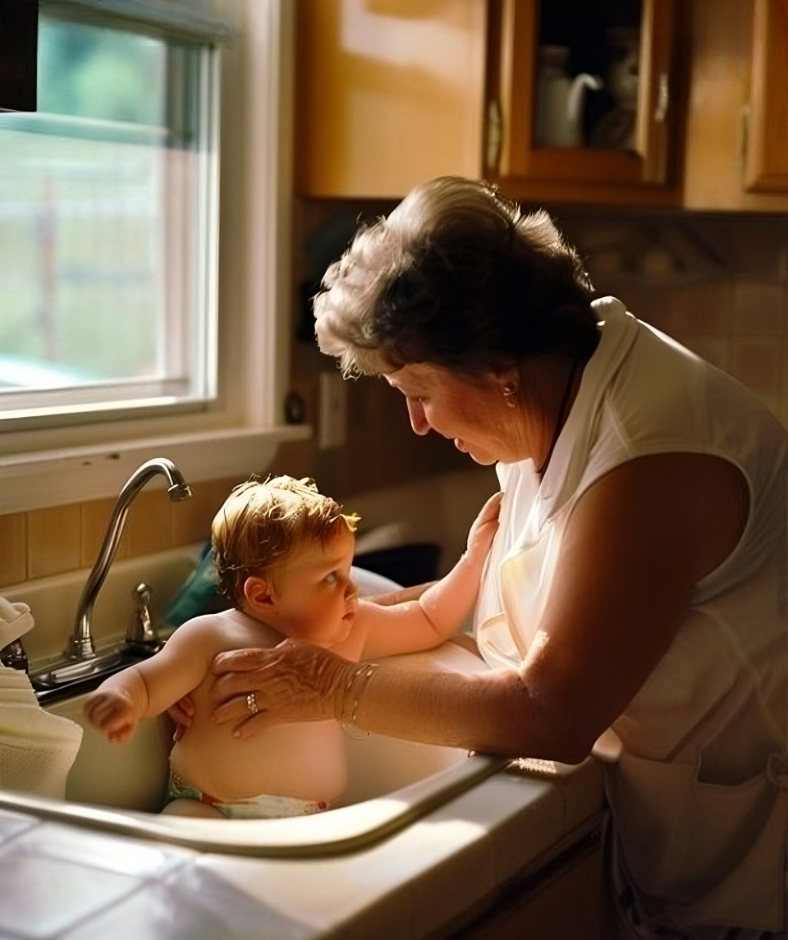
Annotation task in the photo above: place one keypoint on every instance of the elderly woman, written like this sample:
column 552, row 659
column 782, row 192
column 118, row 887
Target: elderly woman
column 637, row 584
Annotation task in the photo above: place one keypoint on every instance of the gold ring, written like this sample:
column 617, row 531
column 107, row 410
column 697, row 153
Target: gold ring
column 251, row 704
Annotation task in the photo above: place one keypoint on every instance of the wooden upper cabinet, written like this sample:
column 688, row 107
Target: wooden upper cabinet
column 766, row 160
column 623, row 102
column 737, row 127
column 583, row 100
column 389, row 93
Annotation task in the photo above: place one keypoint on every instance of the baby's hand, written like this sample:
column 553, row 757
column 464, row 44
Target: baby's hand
column 111, row 711
column 484, row 527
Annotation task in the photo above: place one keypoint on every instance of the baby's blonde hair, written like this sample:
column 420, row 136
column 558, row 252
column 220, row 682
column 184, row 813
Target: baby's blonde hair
column 263, row 523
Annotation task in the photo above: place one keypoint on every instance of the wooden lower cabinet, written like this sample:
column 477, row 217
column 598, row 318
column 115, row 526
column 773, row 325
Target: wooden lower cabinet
column 567, row 900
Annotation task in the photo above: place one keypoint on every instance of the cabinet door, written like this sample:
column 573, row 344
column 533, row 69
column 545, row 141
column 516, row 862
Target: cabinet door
column 389, row 93
column 736, row 155
column 766, row 163
column 621, row 72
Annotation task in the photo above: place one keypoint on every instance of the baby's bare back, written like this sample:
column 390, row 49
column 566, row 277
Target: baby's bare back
column 304, row 760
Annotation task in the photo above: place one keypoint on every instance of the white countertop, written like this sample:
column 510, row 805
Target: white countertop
column 62, row 880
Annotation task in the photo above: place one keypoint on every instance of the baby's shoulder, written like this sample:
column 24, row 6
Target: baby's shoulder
column 234, row 629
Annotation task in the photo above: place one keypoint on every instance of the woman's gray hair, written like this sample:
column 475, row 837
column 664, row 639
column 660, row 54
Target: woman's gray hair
column 458, row 276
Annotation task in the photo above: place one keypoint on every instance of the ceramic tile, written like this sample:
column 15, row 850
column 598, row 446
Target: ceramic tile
column 759, row 308
column 783, row 398
column 53, row 601
column 758, row 246
column 295, row 457
column 13, row 548
column 107, row 852
column 53, row 539
column 42, row 897
column 198, row 904
column 149, row 522
column 700, row 308
column 714, row 349
column 95, row 521
column 191, row 520
column 363, row 890
column 324, row 892
column 11, row 824
column 757, row 363
column 648, row 304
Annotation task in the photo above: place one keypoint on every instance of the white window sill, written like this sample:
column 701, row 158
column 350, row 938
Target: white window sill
column 73, row 475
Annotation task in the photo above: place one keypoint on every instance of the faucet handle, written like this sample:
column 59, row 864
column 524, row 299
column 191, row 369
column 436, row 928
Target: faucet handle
column 141, row 631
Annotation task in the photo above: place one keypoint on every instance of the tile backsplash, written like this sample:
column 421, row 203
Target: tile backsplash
column 716, row 283
column 47, row 542
column 438, row 509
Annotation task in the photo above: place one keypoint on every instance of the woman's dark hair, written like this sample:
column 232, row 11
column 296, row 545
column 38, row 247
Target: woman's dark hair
column 457, row 276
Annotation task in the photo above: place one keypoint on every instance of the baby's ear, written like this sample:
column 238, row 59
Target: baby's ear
column 257, row 593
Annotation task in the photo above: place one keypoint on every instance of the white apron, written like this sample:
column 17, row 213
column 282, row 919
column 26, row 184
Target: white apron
column 699, row 790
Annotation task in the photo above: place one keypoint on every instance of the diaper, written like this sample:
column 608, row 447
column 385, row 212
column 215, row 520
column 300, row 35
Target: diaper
column 265, row 806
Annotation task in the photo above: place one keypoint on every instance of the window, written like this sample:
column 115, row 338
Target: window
column 94, row 426
column 108, row 222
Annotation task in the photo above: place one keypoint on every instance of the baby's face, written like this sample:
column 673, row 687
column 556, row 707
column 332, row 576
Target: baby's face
column 315, row 600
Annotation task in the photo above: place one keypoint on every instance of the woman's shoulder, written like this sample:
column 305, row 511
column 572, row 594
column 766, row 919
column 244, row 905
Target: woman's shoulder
column 665, row 392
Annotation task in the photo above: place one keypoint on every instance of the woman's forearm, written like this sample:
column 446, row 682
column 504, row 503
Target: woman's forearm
column 491, row 712
column 502, row 711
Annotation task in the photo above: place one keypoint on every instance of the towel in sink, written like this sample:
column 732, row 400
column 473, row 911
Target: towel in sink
column 36, row 749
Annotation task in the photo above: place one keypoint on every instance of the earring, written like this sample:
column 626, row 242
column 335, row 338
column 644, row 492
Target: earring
column 509, row 394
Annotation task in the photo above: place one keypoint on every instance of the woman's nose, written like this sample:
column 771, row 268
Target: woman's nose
column 418, row 420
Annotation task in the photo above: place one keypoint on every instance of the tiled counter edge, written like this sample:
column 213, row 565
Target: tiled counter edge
column 61, row 881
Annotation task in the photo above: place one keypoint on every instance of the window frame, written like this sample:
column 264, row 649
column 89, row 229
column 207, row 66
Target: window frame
column 30, row 408
column 239, row 432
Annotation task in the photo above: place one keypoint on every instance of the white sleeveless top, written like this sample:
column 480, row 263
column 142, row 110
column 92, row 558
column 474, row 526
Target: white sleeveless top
column 699, row 792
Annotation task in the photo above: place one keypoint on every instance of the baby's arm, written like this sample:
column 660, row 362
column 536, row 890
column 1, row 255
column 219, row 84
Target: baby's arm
column 440, row 611
column 149, row 688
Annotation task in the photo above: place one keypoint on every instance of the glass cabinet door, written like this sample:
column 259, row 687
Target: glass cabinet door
column 581, row 90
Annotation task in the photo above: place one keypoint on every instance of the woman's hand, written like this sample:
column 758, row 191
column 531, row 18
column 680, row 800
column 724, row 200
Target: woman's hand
column 485, row 525
column 291, row 682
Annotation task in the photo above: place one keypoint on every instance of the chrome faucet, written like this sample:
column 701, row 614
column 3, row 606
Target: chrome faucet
column 82, row 659
column 80, row 645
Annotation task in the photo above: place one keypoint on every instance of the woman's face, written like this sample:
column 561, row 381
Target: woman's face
column 472, row 413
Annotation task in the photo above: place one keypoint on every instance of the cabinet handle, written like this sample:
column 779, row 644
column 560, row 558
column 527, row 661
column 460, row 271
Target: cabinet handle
column 745, row 138
column 663, row 98
column 494, row 135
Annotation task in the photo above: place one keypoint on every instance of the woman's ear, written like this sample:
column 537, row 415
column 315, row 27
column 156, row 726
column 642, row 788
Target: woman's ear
column 509, row 377
column 257, row 592
column 508, row 385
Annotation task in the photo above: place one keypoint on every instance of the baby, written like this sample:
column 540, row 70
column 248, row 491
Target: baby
column 283, row 552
